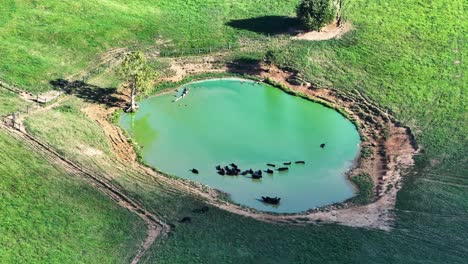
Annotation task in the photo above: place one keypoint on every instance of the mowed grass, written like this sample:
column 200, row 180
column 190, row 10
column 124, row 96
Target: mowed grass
column 45, row 40
column 48, row 216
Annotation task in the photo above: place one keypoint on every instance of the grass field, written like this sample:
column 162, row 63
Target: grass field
column 10, row 102
column 60, row 125
column 43, row 41
column 49, row 217
column 405, row 55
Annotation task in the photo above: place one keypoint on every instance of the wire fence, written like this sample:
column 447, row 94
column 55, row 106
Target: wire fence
column 250, row 43
column 14, row 119
column 41, row 99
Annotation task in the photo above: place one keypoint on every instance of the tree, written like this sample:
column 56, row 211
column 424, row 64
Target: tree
column 315, row 14
column 138, row 76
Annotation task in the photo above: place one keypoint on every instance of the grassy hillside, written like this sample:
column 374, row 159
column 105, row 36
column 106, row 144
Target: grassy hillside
column 10, row 102
column 50, row 217
column 405, row 55
column 411, row 63
column 46, row 40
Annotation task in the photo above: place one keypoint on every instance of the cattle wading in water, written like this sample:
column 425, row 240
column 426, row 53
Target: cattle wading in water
column 270, row 200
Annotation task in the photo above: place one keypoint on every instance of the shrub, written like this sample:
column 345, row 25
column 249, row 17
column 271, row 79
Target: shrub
column 314, row 14
column 367, row 152
column 365, row 185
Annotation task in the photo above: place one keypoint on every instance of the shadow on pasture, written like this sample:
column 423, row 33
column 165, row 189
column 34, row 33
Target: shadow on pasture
column 88, row 92
column 267, row 25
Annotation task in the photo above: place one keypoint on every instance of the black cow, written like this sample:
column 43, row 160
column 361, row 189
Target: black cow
column 185, row 220
column 271, row 200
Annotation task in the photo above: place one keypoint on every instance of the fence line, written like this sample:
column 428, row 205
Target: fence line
column 10, row 87
column 13, row 119
column 243, row 43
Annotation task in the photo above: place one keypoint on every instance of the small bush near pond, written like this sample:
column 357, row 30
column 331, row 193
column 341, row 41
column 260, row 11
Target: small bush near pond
column 365, row 185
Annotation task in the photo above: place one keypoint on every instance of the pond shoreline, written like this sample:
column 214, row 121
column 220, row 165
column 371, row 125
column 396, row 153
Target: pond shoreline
column 392, row 143
column 320, row 181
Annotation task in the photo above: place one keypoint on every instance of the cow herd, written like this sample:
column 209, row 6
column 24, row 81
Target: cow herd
column 234, row 170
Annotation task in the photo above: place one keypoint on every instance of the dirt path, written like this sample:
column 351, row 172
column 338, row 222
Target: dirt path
column 155, row 226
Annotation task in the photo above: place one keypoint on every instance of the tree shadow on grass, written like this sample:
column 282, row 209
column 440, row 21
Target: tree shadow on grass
column 267, row 25
column 246, row 66
column 90, row 93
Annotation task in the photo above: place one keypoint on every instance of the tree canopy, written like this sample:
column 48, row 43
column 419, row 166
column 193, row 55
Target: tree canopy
column 138, row 75
column 315, row 14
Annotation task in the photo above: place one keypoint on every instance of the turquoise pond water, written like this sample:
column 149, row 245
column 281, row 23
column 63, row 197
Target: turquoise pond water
column 227, row 121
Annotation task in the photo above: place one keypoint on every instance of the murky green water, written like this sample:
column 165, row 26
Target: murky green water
column 229, row 120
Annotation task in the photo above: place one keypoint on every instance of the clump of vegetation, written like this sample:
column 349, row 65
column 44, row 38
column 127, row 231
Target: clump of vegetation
column 67, row 108
column 314, row 14
column 365, row 185
column 385, row 133
column 367, row 152
column 279, row 85
column 115, row 117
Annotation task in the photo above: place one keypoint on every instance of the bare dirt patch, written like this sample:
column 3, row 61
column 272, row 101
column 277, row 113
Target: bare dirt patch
column 330, row 31
column 183, row 67
column 120, row 143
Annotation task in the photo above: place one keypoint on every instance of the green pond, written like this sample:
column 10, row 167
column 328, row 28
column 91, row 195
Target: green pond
column 250, row 124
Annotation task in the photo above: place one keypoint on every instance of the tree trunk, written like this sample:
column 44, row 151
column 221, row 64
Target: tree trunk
column 133, row 105
column 339, row 14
